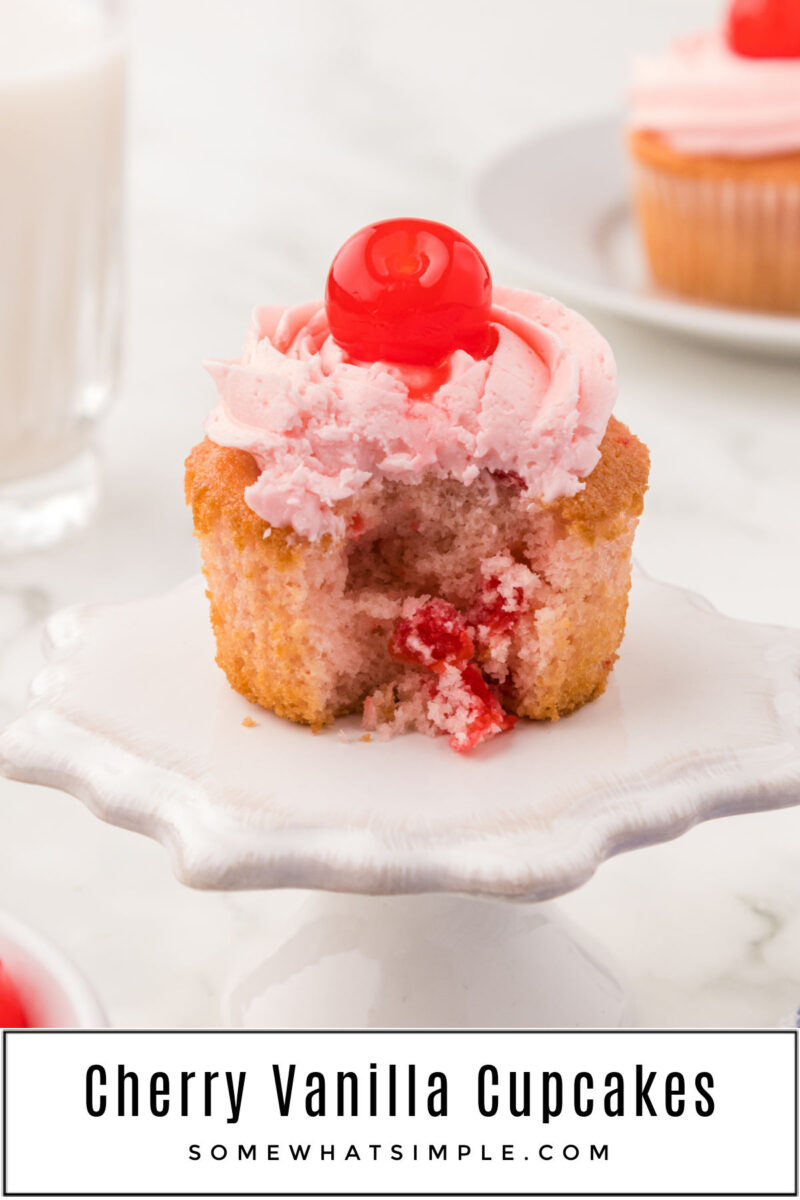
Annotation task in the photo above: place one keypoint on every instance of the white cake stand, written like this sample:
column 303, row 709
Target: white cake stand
column 131, row 715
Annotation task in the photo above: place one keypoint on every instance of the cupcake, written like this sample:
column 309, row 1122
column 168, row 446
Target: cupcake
column 715, row 141
column 413, row 501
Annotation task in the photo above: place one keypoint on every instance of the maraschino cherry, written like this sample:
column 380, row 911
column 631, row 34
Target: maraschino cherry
column 12, row 1014
column 409, row 291
column 432, row 636
column 764, row 28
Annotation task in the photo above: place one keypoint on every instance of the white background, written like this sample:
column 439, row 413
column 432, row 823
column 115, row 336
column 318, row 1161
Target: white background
column 746, row 1145
column 262, row 134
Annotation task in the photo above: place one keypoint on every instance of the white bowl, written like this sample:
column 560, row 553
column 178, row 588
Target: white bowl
column 54, row 994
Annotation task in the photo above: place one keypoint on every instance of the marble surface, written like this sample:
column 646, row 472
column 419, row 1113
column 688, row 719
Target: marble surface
column 261, row 135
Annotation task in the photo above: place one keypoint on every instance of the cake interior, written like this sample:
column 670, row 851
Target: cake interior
column 532, row 598
column 529, row 590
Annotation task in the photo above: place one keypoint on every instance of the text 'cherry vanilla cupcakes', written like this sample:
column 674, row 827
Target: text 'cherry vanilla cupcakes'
column 413, row 502
column 715, row 141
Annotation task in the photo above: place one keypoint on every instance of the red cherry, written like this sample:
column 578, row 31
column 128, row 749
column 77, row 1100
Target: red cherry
column 433, row 635
column 409, row 291
column 12, row 1014
column 764, row 28
column 494, row 611
column 486, row 716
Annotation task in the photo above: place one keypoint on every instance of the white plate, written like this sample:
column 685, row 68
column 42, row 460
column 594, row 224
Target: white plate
column 701, row 719
column 560, row 201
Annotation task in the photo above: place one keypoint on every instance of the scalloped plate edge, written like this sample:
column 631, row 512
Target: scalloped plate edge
column 365, row 865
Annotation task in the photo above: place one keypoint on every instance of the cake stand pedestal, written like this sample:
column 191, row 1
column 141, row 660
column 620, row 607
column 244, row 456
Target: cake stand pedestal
column 425, row 848
column 436, row 961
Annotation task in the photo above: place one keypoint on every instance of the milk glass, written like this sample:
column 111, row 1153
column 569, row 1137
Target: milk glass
column 62, row 92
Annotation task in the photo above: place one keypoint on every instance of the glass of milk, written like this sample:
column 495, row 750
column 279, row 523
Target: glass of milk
column 62, row 101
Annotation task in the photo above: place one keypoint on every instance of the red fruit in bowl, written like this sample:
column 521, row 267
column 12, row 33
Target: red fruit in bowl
column 409, row 291
column 764, row 28
column 12, row 1014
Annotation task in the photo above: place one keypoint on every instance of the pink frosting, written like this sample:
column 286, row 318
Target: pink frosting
column 704, row 99
column 320, row 426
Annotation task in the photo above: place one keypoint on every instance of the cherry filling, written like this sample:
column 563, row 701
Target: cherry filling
column 486, row 716
column 512, row 477
column 764, row 28
column 497, row 610
column 434, row 634
column 436, row 637
column 411, row 292
column 12, row 1014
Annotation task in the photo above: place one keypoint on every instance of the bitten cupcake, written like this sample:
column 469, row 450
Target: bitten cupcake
column 715, row 141
column 412, row 500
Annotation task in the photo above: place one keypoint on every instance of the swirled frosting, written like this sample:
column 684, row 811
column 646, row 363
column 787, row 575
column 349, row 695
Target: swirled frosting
column 321, row 426
column 702, row 98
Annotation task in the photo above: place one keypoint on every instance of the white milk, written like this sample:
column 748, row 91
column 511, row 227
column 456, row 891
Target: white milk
column 61, row 138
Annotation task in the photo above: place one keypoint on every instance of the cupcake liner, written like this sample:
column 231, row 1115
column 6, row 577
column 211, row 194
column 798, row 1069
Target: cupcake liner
column 726, row 240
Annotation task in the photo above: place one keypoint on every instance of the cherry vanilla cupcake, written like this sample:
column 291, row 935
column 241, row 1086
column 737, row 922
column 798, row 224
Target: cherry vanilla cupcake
column 412, row 500
column 715, row 141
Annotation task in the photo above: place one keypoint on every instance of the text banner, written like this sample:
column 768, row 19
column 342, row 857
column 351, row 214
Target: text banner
column 409, row 1112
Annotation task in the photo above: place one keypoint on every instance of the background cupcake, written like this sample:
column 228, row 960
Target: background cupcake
column 715, row 140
